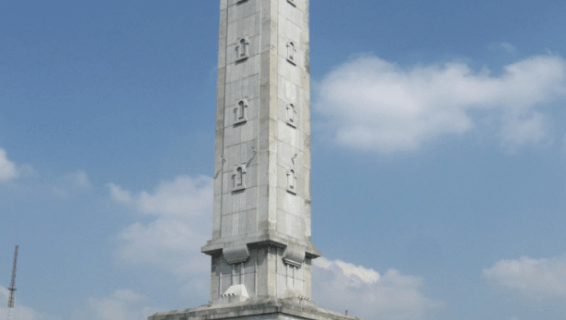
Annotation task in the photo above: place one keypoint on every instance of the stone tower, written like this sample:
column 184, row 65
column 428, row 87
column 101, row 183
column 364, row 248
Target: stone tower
column 261, row 238
column 261, row 247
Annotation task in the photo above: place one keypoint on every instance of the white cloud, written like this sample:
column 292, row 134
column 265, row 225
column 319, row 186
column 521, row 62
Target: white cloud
column 182, row 209
column 508, row 47
column 505, row 46
column 371, row 104
column 120, row 305
column 8, row 169
column 338, row 285
column 531, row 129
column 70, row 183
column 182, row 197
column 119, row 194
column 168, row 244
column 537, row 278
column 356, row 273
column 21, row 311
column 78, row 179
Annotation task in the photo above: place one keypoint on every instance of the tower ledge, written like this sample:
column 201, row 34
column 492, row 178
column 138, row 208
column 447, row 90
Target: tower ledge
column 261, row 239
column 268, row 309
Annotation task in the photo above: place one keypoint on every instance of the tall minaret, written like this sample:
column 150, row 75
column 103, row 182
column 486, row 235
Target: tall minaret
column 261, row 240
column 261, row 245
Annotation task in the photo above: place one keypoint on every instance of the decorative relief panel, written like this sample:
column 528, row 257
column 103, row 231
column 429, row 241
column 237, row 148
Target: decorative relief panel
column 242, row 49
column 291, row 181
column 241, row 112
column 291, row 52
column 239, row 178
column 291, row 115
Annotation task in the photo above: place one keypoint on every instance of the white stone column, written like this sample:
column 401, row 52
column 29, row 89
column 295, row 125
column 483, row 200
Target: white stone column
column 262, row 215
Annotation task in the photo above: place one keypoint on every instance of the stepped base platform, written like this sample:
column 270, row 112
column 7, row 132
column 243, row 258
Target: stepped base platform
column 268, row 309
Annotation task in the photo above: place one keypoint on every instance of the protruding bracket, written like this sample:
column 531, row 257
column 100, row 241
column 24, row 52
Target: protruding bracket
column 236, row 253
column 294, row 256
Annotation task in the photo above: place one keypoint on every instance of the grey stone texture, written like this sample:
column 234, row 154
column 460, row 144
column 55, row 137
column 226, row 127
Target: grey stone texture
column 265, row 309
column 261, row 248
column 262, row 215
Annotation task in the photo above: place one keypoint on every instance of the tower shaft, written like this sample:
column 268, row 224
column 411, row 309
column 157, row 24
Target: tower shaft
column 261, row 245
column 261, row 239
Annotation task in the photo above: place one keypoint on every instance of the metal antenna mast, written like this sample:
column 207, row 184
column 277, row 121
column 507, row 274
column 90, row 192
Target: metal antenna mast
column 12, row 288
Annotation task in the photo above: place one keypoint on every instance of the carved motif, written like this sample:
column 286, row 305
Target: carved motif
column 291, row 52
column 291, row 115
column 241, row 112
column 291, row 181
column 242, row 49
column 239, row 178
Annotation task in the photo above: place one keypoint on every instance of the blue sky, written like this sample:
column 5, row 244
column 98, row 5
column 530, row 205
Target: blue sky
column 438, row 169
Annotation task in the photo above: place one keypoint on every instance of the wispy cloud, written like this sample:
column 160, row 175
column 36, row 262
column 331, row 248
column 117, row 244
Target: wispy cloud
column 70, row 183
column 183, row 197
column 351, row 271
column 21, row 311
column 8, row 169
column 120, row 305
column 339, row 285
column 535, row 278
column 371, row 104
column 182, row 209
column 77, row 179
column 61, row 186
column 118, row 194
column 505, row 46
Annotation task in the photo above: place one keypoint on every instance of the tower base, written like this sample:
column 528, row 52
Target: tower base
column 268, row 309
